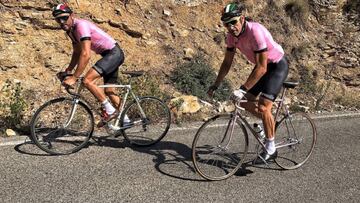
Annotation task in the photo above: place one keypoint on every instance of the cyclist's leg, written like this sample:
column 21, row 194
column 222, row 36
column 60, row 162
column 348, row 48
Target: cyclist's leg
column 252, row 94
column 262, row 110
column 251, row 106
column 265, row 106
column 110, row 64
column 273, row 81
column 89, row 82
column 110, row 91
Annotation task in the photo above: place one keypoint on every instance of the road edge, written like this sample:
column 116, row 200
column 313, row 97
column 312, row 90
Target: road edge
column 16, row 140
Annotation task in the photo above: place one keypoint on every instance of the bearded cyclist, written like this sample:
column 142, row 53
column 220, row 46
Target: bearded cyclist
column 266, row 79
column 86, row 36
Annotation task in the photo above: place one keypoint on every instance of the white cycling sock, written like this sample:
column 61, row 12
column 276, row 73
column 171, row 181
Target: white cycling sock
column 126, row 119
column 108, row 107
column 270, row 145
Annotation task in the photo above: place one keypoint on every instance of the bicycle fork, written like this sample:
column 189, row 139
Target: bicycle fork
column 72, row 113
column 230, row 127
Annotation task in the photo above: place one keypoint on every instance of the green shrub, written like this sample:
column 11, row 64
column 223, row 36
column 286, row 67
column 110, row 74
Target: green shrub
column 298, row 11
column 194, row 78
column 12, row 104
column 148, row 85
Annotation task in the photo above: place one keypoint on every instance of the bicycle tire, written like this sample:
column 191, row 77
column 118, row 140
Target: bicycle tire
column 297, row 134
column 214, row 149
column 149, row 130
column 48, row 131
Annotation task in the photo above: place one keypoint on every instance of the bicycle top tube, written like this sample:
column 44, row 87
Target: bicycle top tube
column 130, row 74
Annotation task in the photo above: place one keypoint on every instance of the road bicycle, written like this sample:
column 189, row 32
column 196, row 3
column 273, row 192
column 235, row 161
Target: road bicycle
column 64, row 125
column 220, row 145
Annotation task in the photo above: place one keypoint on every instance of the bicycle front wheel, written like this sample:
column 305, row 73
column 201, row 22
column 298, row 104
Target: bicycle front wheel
column 62, row 126
column 149, row 121
column 295, row 140
column 219, row 147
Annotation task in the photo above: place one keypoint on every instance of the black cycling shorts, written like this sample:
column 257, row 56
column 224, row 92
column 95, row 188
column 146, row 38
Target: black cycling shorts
column 108, row 65
column 270, row 84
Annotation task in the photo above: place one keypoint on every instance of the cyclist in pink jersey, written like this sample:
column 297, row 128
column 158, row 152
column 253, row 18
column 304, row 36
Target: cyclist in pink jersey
column 270, row 71
column 86, row 36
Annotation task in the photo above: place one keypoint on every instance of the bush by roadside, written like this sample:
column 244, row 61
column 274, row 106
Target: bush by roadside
column 12, row 106
column 194, row 77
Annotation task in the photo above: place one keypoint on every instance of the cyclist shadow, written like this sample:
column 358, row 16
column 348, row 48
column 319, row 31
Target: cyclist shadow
column 172, row 159
column 109, row 141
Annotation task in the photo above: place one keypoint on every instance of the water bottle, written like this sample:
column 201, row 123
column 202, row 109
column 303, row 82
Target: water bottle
column 259, row 131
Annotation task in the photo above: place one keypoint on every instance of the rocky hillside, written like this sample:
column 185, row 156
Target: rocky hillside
column 321, row 39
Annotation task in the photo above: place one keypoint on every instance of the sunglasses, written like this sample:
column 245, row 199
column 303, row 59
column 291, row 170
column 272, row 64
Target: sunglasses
column 231, row 23
column 62, row 19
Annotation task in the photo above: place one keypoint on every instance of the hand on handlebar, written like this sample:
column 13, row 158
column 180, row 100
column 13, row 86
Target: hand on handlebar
column 237, row 95
column 69, row 81
column 62, row 75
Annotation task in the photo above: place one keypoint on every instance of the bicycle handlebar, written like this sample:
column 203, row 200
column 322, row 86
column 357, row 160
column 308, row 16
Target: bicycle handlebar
column 211, row 101
column 62, row 76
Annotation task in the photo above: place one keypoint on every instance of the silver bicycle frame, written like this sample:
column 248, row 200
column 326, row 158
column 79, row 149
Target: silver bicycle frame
column 128, row 91
column 76, row 99
column 280, row 105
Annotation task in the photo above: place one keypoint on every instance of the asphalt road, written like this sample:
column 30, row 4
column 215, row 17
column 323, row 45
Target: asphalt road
column 113, row 171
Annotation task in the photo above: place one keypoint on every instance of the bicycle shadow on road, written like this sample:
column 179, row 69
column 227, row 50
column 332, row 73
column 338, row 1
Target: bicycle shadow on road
column 170, row 158
column 249, row 163
column 29, row 148
column 109, row 141
column 174, row 160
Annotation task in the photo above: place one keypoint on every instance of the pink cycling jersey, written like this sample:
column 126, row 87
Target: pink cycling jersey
column 100, row 40
column 256, row 38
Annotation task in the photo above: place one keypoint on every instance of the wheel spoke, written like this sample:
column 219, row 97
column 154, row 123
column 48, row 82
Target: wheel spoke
column 148, row 129
column 295, row 140
column 47, row 126
column 215, row 161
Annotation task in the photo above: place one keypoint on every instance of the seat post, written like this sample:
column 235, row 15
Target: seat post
column 281, row 103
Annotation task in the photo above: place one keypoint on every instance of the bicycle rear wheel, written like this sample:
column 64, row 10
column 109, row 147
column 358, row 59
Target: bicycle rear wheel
column 148, row 128
column 219, row 147
column 55, row 131
column 295, row 140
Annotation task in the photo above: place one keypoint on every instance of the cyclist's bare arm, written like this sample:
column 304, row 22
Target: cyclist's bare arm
column 225, row 66
column 75, row 57
column 259, row 70
column 84, row 57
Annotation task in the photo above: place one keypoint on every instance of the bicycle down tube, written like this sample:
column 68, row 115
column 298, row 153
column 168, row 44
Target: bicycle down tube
column 128, row 90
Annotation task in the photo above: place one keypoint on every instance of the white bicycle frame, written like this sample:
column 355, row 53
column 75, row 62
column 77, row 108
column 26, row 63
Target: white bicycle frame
column 128, row 90
column 76, row 99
